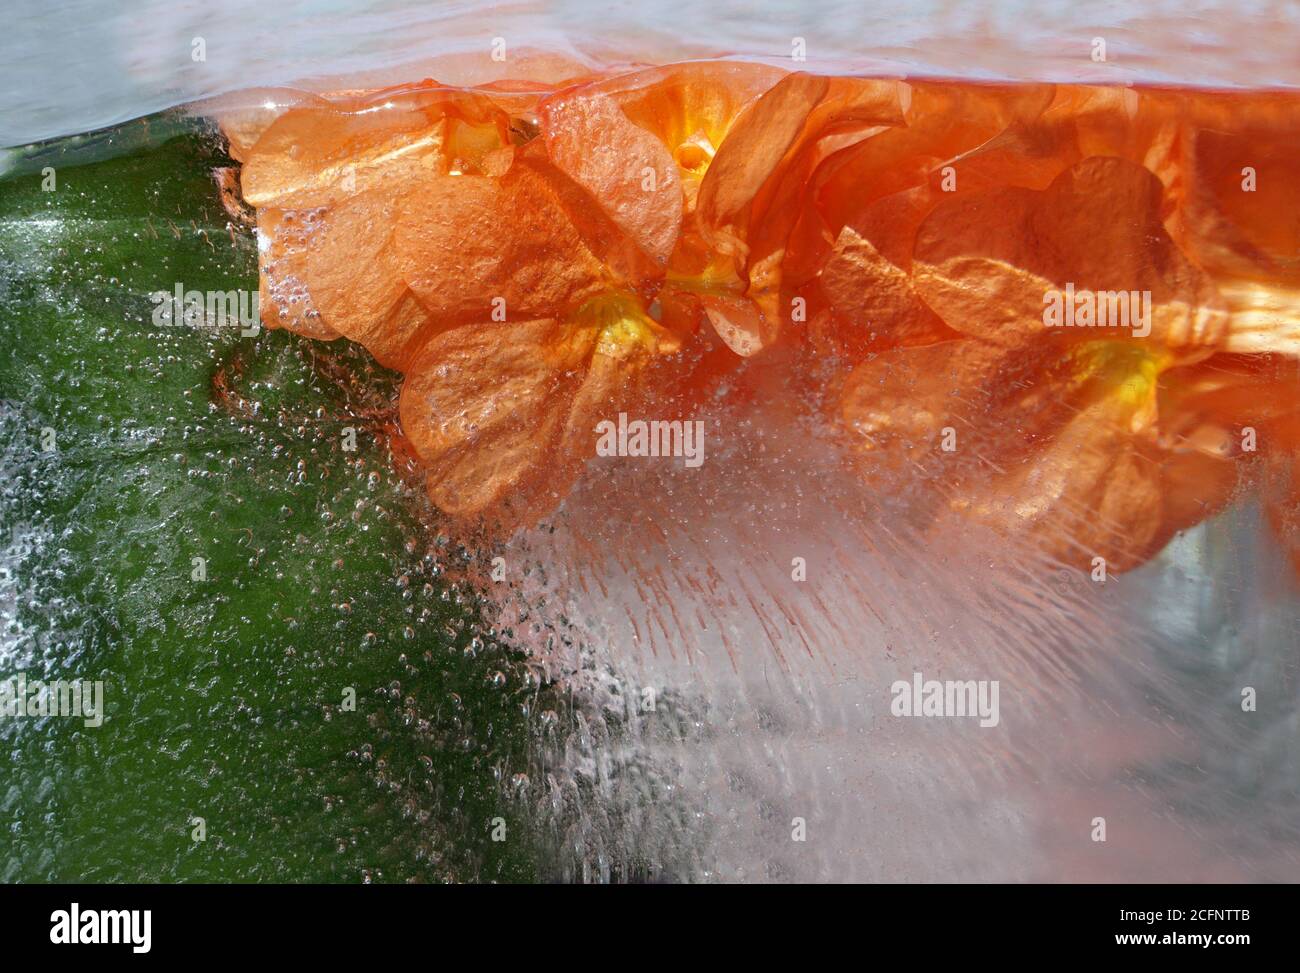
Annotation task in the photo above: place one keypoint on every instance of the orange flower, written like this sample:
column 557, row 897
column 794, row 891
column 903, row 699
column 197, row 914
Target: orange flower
column 1067, row 445
column 1072, row 283
column 863, row 204
column 751, row 197
column 515, row 436
column 427, row 226
column 642, row 144
column 1089, row 440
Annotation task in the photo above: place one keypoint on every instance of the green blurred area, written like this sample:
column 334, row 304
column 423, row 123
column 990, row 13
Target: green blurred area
column 223, row 696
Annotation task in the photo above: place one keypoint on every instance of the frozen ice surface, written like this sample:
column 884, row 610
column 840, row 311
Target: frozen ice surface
column 76, row 65
column 654, row 584
column 772, row 697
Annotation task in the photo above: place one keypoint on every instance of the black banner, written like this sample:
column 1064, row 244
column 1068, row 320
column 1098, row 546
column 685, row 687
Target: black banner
column 335, row 922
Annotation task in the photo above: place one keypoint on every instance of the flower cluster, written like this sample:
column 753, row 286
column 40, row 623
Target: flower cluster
column 1072, row 312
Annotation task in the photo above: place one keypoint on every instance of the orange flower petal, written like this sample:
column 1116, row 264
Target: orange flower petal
column 353, row 280
column 692, row 107
column 284, row 240
column 483, row 440
column 739, row 323
column 462, row 243
column 311, row 157
column 524, row 434
column 627, row 170
column 757, row 143
column 875, row 302
column 988, row 260
column 1059, row 447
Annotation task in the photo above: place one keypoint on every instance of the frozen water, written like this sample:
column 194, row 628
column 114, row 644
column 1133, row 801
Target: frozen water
column 686, row 707
column 77, row 65
column 772, row 696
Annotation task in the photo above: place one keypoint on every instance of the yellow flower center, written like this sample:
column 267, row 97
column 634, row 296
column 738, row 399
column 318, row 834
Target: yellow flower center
column 622, row 327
